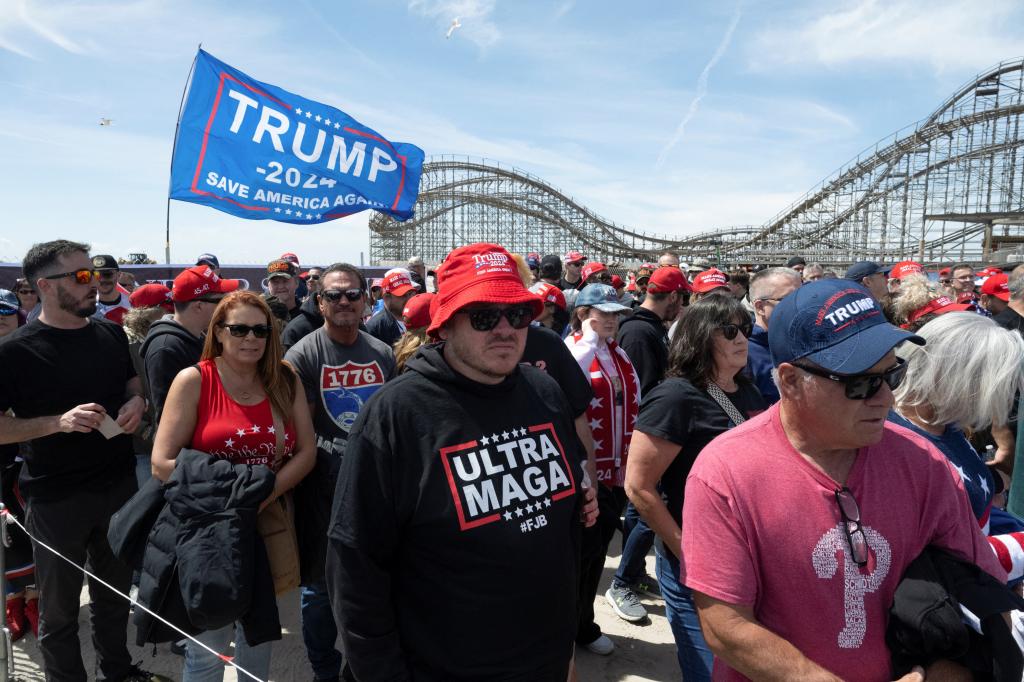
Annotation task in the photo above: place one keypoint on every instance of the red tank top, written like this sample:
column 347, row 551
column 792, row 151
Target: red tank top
column 243, row 434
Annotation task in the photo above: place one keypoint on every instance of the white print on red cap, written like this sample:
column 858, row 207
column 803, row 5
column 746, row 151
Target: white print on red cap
column 511, row 476
column 490, row 260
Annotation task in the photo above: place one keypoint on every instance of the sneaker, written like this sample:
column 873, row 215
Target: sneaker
column 602, row 646
column 647, row 585
column 626, row 604
column 137, row 674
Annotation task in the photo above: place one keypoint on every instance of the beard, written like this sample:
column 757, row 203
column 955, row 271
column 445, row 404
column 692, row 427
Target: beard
column 76, row 307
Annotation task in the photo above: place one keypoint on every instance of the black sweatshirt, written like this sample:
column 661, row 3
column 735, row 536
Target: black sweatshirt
column 644, row 338
column 307, row 320
column 168, row 349
column 455, row 529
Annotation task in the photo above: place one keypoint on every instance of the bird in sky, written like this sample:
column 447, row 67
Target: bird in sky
column 106, row 121
column 451, row 29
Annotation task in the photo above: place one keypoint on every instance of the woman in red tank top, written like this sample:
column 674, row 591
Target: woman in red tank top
column 234, row 404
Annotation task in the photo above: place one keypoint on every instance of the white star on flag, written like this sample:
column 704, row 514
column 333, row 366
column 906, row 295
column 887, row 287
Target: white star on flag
column 277, row 209
column 299, row 112
column 240, row 432
column 337, row 125
column 288, row 211
column 309, row 114
column 318, row 118
column 984, row 486
column 309, row 215
column 317, row 215
column 229, row 443
column 960, row 471
column 485, row 441
column 595, row 424
column 327, row 122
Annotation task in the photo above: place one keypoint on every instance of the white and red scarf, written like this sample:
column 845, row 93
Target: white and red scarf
column 611, row 470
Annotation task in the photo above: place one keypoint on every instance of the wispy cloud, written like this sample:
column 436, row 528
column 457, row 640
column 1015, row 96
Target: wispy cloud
column 474, row 15
column 702, row 88
column 944, row 34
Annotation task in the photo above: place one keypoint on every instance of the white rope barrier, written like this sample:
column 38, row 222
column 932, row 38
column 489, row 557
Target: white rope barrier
column 10, row 518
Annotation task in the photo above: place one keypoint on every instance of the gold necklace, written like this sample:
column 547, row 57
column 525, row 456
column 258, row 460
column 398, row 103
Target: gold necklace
column 243, row 394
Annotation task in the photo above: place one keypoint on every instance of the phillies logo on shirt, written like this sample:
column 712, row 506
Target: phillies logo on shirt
column 345, row 388
column 514, row 475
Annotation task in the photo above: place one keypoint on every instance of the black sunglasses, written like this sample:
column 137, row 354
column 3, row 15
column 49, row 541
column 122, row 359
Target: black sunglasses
column 260, row 331
column 863, row 386
column 107, row 274
column 83, row 276
column 851, row 524
column 729, row 331
column 314, row 278
column 486, row 319
column 334, row 295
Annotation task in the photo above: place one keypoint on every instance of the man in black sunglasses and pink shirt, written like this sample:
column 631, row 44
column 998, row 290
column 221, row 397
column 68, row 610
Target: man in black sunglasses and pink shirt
column 340, row 367
column 454, row 542
column 799, row 523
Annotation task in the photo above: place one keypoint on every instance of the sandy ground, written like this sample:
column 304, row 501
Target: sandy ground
column 644, row 651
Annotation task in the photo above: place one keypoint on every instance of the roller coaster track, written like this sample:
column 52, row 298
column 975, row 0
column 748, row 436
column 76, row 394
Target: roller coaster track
column 950, row 187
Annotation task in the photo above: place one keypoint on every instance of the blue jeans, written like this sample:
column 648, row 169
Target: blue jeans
column 319, row 632
column 695, row 658
column 143, row 468
column 637, row 539
column 202, row 666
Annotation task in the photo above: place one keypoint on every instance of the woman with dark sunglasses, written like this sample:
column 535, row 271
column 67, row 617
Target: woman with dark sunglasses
column 28, row 299
column 704, row 394
column 940, row 404
column 235, row 404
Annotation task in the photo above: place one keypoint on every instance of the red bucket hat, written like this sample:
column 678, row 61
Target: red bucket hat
column 709, row 280
column 417, row 311
column 479, row 273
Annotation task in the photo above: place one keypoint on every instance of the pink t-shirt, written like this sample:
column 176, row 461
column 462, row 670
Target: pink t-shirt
column 762, row 529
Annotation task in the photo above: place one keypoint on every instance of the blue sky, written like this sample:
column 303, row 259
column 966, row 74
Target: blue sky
column 671, row 117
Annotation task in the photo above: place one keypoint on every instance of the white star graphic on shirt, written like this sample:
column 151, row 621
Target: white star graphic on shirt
column 597, row 445
column 240, row 432
column 229, row 443
column 595, row 403
column 494, row 438
column 485, row 441
column 271, row 429
column 522, row 432
column 636, row 398
column 507, row 515
column 519, row 512
column 547, row 501
column 504, row 435
column 984, row 486
column 529, row 508
column 255, row 429
column 595, row 424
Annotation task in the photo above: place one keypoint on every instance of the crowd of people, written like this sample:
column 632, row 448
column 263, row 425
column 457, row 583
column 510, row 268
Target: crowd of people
column 435, row 463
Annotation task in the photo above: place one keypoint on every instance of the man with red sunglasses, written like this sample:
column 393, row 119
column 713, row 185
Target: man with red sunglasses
column 64, row 375
column 799, row 523
column 454, row 542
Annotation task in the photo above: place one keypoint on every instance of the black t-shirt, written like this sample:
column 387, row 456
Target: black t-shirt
column 45, row 371
column 545, row 350
column 1010, row 319
column 679, row 412
column 563, row 284
column 457, row 514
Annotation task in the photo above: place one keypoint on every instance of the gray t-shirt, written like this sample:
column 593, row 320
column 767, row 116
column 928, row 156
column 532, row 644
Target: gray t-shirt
column 338, row 381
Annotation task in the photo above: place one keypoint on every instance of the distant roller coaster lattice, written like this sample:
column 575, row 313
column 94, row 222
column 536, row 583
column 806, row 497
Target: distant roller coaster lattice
column 948, row 188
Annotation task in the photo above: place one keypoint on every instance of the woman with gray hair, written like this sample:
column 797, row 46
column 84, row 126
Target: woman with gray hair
column 938, row 404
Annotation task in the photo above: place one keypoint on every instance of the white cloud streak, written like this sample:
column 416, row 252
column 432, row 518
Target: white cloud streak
column 943, row 34
column 702, row 88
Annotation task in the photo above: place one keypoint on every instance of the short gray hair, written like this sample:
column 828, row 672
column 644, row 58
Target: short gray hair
column 1016, row 283
column 968, row 373
column 814, row 267
column 762, row 283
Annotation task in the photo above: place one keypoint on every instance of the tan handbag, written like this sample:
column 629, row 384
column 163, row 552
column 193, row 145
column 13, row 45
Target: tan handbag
column 276, row 524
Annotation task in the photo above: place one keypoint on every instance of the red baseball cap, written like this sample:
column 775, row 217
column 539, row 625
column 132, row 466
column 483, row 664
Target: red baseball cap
column 709, row 280
column 939, row 306
column 199, row 281
column 479, row 273
column 998, row 286
column 417, row 311
column 290, row 257
column 590, row 268
column 397, row 282
column 904, row 268
column 617, row 282
column 549, row 293
column 944, row 272
column 150, row 295
column 573, row 257
column 671, row 279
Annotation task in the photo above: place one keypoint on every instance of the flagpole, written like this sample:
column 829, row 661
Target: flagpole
column 174, row 147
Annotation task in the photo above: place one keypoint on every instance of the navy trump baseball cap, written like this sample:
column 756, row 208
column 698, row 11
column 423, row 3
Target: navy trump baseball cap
column 864, row 268
column 834, row 323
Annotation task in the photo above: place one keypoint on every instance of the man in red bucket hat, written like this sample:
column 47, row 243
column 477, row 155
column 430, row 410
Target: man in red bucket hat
column 461, row 486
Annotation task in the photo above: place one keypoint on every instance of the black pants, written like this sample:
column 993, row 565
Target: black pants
column 76, row 526
column 610, row 503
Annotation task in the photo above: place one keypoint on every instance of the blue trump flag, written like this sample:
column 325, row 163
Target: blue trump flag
column 256, row 151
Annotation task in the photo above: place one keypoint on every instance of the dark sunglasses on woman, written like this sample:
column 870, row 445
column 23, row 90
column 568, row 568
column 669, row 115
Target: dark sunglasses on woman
column 729, row 331
column 486, row 319
column 260, row 331
column 334, row 295
column 863, row 386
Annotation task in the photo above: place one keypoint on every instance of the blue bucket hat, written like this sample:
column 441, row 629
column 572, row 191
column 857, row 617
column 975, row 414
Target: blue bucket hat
column 600, row 296
column 835, row 323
